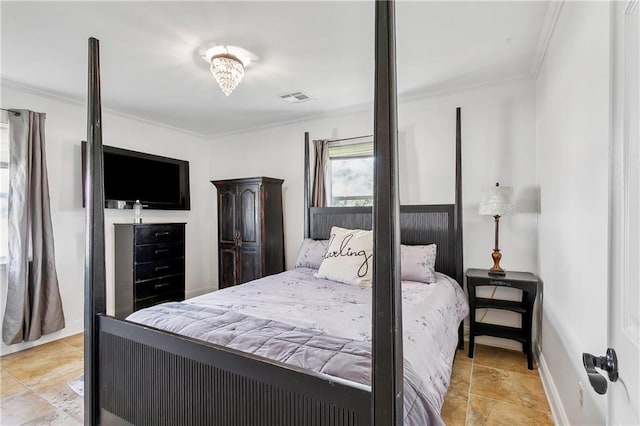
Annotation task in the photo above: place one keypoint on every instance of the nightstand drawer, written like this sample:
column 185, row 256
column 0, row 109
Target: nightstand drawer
column 519, row 285
column 490, row 281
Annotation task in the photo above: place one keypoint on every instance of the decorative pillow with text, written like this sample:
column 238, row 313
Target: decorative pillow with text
column 349, row 258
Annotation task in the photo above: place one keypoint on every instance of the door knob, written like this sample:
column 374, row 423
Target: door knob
column 608, row 363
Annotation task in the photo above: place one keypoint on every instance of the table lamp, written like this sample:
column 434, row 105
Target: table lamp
column 496, row 201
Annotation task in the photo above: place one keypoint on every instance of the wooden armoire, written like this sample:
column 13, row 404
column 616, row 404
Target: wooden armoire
column 250, row 229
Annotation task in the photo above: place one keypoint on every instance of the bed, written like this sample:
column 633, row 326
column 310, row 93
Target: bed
column 139, row 374
column 325, row 326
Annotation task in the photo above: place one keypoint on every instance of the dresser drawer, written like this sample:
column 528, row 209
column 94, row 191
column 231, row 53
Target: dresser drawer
column 159, row 287
column 159, row 251
column 158, row 233
column 150, row 301
column 161, row 268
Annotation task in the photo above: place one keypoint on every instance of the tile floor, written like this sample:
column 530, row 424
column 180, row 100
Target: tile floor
column 33, row 387
column 494, row 388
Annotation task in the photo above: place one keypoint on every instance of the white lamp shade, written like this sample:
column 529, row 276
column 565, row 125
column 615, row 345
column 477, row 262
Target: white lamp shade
column 496, row 201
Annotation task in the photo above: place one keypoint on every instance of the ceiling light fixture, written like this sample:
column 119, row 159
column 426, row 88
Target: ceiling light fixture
column 227, row 64
column 228, row 71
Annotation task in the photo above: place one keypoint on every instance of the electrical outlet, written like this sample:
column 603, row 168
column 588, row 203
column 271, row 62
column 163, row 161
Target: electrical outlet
column 581, row 393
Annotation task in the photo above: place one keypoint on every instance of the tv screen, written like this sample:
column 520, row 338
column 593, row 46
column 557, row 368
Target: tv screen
column 158, row 182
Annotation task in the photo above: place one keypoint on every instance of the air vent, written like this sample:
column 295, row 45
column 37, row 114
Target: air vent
column 295, row 97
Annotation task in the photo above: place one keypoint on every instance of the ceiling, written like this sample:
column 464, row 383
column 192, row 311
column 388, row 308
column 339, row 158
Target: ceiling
column 151, row 68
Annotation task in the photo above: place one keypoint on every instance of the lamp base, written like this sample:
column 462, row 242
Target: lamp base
column 496, row 269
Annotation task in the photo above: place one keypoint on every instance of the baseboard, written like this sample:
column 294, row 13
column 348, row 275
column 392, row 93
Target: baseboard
column 555, row 403
column 72, row 328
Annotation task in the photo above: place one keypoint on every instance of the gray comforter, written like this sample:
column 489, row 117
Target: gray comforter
column 309, row 349
column 325, row 326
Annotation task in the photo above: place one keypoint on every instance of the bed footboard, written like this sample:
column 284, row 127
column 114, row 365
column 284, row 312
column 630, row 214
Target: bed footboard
column 152, row 377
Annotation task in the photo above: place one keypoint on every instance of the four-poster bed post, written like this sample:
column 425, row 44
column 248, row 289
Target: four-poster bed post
column 458, row 216
column 387, row 378
column 94, row 267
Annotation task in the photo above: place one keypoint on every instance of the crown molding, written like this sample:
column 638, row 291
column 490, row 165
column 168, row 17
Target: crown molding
column 402, row 98
column 69, row 100
column 444, row 91
column 368, row 106
column 548, row 27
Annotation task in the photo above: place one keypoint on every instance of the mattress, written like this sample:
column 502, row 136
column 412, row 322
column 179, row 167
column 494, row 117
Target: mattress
column 297, row 302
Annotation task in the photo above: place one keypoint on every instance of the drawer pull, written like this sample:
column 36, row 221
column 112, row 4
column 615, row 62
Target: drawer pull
column 160, row 234
column 158, row 286
column 160, row 268
column 161, row 251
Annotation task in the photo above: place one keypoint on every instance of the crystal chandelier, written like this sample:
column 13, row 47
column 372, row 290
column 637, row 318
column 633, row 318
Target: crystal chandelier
column 228, row 71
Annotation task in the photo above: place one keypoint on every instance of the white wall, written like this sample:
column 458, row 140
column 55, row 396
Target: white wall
column 498, row 133
column 498, row 125
column 572, row 109
column 65, row 128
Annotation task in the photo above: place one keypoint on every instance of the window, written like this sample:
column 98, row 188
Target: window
column 350, row 177
column 4, row 190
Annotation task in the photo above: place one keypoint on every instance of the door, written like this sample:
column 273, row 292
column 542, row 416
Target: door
column 248, row 213
column 249, row 263
column 624, row 286
column 249, row 257
column 227, row 216
column 228, row 235
column 228, row 267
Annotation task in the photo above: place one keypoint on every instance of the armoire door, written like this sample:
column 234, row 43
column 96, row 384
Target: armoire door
column 248, row 214
column 249, row 261
column 227, row 219
column 228, row 264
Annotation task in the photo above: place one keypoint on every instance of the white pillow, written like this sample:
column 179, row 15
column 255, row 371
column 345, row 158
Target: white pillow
column 349, row 258
column 311, row 253
column 418, row 263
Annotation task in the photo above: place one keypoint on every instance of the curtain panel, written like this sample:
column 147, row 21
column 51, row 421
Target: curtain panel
column 34, row 306
column 319, row 192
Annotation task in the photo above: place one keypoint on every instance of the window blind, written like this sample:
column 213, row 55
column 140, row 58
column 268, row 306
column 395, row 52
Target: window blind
column 360, row 149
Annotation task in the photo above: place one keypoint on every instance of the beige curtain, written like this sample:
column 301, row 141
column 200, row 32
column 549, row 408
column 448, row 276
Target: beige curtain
column 318, row 192
column 34, row 306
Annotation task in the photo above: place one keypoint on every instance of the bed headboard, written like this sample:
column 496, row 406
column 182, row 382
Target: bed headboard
column 419, row 225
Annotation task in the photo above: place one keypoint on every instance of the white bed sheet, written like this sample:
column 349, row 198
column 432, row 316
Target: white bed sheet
column 431, row 315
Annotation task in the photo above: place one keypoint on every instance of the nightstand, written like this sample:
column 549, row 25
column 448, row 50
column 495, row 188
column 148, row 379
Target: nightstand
column 525, row 281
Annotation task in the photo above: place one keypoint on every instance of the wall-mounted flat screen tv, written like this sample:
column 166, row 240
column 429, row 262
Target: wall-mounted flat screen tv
column 158, row 182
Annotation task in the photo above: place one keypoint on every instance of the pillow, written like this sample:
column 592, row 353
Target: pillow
column 418, row 263
column 311, row 253
column 349, row 257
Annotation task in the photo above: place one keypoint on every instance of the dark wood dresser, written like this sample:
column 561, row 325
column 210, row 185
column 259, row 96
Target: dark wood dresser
column 250, row 229
column 149, row 265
